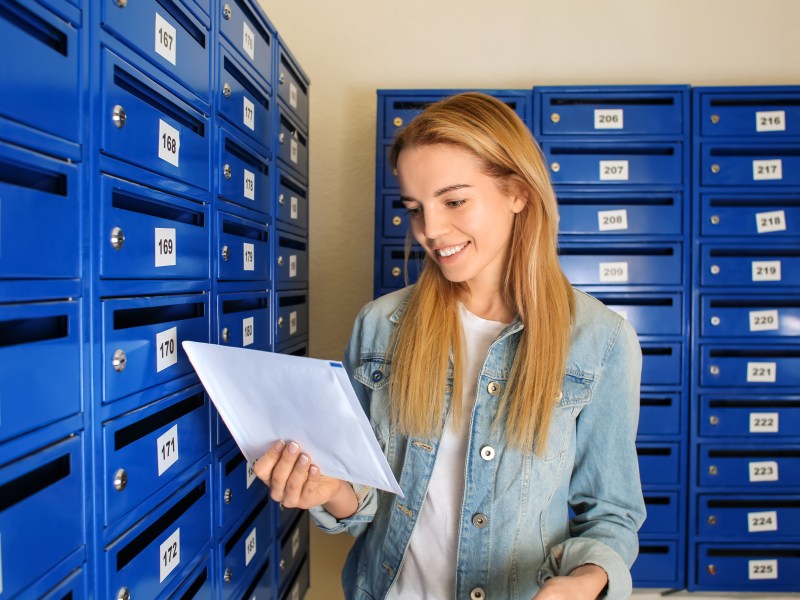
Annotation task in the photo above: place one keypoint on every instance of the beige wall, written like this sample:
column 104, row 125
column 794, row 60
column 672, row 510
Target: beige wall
column 350, row 48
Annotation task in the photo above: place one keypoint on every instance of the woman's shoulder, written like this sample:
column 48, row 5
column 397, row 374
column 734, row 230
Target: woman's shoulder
column 384, row 308
column 596, row 328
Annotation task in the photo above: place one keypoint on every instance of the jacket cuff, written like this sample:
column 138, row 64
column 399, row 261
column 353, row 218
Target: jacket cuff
column 354, row 524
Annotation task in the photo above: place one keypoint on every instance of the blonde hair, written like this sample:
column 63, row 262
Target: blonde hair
column 533, row 286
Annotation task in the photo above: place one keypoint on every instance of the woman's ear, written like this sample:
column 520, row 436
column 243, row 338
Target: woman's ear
column 520, row 195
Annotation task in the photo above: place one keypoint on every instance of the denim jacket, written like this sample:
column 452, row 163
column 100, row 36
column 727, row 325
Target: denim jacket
column 516, row 528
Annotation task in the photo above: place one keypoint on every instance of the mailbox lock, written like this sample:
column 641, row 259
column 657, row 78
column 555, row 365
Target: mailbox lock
column 395, row 271
column 282, row 78
column 714, row 370
column 118, row 116
column 226, row 335
column 228, row 496
column 715, row 269
column 281, row 137
column 715, row 321
column 227, row 171
column 280, row 261
column 714, row 119
column 119, row 360
column 715, row 219
column 281, row 199
column 555, row 117
column 280, row 321
column 226, row 253
column 226, row 90
column 712, row 520
column 712, row 470
column 555, row 167
column 122, row 3
column 282, row 565
column 120, row 480
column 226, row 12
column 397, row 221
column 228, row 575
column 713, row 419
column 117, row 238
column 712, row 570
column 123, row 594
column 398, row 122
column 715, row 168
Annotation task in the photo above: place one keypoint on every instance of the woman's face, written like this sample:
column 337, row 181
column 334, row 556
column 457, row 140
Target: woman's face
column 457, row 213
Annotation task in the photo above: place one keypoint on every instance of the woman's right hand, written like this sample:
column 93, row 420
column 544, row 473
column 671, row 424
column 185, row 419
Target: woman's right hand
column 296, row 482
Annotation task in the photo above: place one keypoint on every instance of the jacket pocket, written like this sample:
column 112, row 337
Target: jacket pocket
column 576, row 392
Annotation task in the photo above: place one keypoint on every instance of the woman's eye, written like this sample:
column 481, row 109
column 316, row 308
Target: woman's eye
column 414, row 211
column 455, row 203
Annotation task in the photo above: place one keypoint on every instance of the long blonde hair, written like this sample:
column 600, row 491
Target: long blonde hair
column 533, row 286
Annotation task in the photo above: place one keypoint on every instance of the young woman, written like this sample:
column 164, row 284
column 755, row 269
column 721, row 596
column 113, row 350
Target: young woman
column 501, row 397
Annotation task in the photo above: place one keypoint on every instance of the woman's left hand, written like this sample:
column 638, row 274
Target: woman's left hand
column 584, row 583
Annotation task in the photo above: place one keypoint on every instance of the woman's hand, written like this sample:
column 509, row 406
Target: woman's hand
column 297, row 483
column 584, row 583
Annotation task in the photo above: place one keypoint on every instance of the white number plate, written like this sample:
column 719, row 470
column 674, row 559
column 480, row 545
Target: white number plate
column 614, row 170
column 248, row 113
column 766, row 470
column 764, row 422
column 293, row 208
column 762, row 569
column 770, row 120
column 763, row 320
column 766, row 270
column 248, row 41
column 249, row 185
column 249, row 252
column 767, row 222
column 169, row 143
column 292, row 265
column 166, row 247
column 295, row 542
column 292, row 95
column 293, row 150
column 762, row 372
column 166, row 349
column 250, row 547
column 608, row 118
column 167, row 448
column 251, row 474
column 767, row 169
column 613, row 272
column 247, row 331
column 612, row 220
column 166, row 39
column 762, row 521
column 170, row 552
column 293, row 322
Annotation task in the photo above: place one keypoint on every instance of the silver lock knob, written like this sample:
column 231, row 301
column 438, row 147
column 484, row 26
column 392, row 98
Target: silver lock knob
column 226, row 90
column 226, row 253
column 714, row 119
column 712, row 520
column 397, row 221
column 122, row 3
column 712, row 570
column 280, row 321
column 555, row 117
column 398, row 122
column 715, row 168
column 281, row 199
column 117, row 238
column 282, row 78
column 714, row 370
column 118, row 116
column 282, row 564
column 119, row 360
column 281, row 137
column 228, row 575
column 715, row 321
column 555, row 167
column 280, row 261
column 712, row 470
column 123, row 594
column 713, row 419
column 120, row 480
column 226, row 170
column 226, row 335
column 226, row 12
column 715, row 269
column 715, row 219
column 228, row 496
column 395, row 271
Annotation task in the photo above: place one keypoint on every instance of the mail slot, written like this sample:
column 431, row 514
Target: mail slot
column 298, row 349
column 633, row 264
column 293, row 147
column 750, row 266
column 223, row 434
column 622, row 213
column 72, row 586
column 663, row 513
column 753, row 518
column 614, row 163
column 750, row 316
column 396, row 269
column 747, row 416
column 35, row 536
column 291, row 320
column 395, row 217
column 152, row 555
column 659, row 414
column 294, row 547
column 150, row 446
column 40, row 358
column 41, row 209
column 750, row 468
column 291, row 262
column 650, row 314
column 147, row 234
column 763, row 215
column 662, row 363
column 145, row 124
column 762, row 165
column 657, row 564
column 286, row 518
column 249, row 31
column 239, row 488
column 182, row 41
column 36, row 36
column 243, row 319
column 607, row 111
column 767, row 568
column 243, row 551
column 142, row 340
column 261, row 585
column 196, row 585
column 292, row 85
column 297, row 589
column 243, row 174
column 292, row 209
column 777, row 366
column 659, row 463
column 241, row 100
column 760, row 111
column 243, row 249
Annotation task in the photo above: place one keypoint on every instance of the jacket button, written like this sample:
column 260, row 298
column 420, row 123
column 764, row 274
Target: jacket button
column 480, row 520
column 487, row 453
column 477, row 594
column 494, row 388
column 377, row 376
column 559, row 396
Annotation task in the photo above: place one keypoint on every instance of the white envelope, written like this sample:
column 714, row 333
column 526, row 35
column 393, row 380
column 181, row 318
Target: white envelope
column 265, row 396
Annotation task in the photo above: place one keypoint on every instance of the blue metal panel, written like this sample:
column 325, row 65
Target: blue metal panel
column 764, row 215
column 749, row 316
column 395, row 217
column 239, row 488
column 660, row 414
column 622, row 213
column 197, row 584
column 749, row 417
column 241, row 98
column 243, row 174
column 750, row 468
column 292, row 86
column 649, row 313
column 663, row 511
column 73, row 587
column 659, row 463
column 291, row 261
column 286, row 518
column 299, row 586
column 291, row 317
column 761, row 568
column 246, row 28
column 662, row 363
column 748, row 366
column 761, row 166
column 394, row 266
column 294, row 548
column 243, row 249
column 622, row 264
column 242, row 552
column 764, row 112
column 658, row 564
column 243, row 319
column 749, row 266
column 755, row 519
column 292, row 148
column 262, row 585
column 292, row 208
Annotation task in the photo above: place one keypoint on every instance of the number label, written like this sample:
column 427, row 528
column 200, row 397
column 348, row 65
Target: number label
column 762, row 569
column 293, row 322
column 767, row 222
column 762, row 521
column 766, row 470
column 295, row 542
column 249, row 113
column 250, row 547
column 247, row 331
column 613, row 272
column 292, row 265
column 763, row 320
column 251, row 474
column 766, row 270
column 770, row 120
column 293, row 208
column 170, row 551
column 169, row 143
column 292, row 95
column 608, row 118
column 249, row 185
column 249, row 252
column 248, row 41
column 614, row 170
column 166, row 349
column 165, row 253
column 166, row 41
column 767, row 169
column 296, row 592
column 167, row 447
column 293, row 150
column 612, row 220
column 763, row 422
column 761, row 372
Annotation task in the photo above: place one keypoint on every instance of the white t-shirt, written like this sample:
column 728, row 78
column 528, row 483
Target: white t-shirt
column 428, row 571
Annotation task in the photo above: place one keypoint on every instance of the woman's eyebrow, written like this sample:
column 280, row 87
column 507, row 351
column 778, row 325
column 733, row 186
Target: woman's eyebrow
column 437, row 193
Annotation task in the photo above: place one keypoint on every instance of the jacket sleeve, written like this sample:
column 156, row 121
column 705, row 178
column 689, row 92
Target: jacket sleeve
column 605, row 490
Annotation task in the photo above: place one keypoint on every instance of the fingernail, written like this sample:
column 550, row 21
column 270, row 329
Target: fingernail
column 279, row 446
column 303, row 460
column 293, row 447
column 313, row 470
